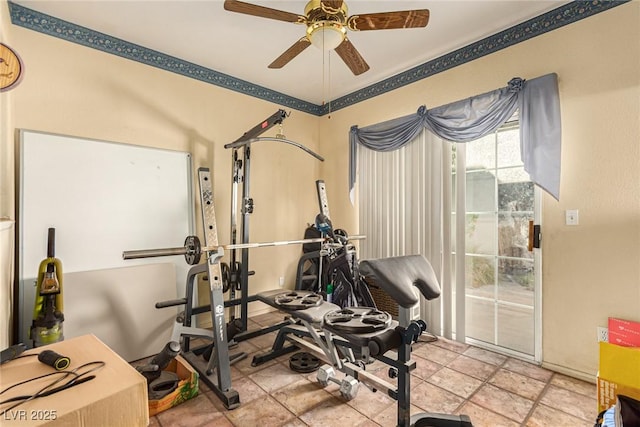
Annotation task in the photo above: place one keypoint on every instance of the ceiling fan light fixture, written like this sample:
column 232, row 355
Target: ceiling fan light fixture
column 326, row 35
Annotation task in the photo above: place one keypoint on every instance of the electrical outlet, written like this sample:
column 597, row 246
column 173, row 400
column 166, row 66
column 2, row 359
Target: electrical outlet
column 281, row 282
column 603, row 334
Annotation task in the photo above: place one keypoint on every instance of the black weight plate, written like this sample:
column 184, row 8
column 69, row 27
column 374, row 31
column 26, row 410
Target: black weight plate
column 193, row 250
column 358, row 320
column 298, row 300
column 304, row 362
column 226, row 276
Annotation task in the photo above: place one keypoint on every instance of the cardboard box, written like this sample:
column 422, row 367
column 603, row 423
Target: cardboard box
column 608, row 391
column 624, row 332
column 117, row 396
column 619, row 373
column 187, row 387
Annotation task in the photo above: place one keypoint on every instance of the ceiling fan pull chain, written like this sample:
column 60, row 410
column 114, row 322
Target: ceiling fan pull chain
column 324, row 70
column 329, row 85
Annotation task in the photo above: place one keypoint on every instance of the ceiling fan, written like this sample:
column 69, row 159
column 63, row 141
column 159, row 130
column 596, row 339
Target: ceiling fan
column 327, row 22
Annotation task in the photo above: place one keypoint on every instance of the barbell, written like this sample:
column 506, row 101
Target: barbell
column 192, row 249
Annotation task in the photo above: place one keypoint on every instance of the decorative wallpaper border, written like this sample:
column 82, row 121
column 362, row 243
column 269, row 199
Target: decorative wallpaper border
column 59, row 28
column 564, row 15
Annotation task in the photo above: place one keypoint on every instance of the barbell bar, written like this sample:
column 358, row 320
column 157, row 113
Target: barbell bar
column 192, row 250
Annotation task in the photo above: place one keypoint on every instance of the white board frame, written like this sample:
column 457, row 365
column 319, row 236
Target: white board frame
column 102, row 198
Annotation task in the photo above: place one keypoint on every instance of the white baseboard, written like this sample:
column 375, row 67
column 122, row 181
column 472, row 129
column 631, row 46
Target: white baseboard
column 584, row 376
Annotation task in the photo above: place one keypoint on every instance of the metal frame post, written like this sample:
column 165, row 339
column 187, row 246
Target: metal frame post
column 247, row 209
column 219, row 360
column 241, row 174
column 236, row 178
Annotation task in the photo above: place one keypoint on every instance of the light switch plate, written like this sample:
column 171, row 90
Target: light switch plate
column 571, row 217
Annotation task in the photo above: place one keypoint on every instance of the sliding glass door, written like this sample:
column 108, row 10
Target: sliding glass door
column 405, row 199
column 501, row 273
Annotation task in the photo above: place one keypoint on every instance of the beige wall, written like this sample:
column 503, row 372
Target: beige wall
column 73, row 90
column 6, row 148
column 6, row 201
column 590, row 272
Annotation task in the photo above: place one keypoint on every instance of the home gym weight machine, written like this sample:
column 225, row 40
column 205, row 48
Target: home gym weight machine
column 232, row 278
column 239, row 272
column 216, row 371
column 346, row 339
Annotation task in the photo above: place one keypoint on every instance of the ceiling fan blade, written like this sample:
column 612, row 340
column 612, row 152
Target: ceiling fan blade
column 263, row 12
column 290, row 53
column 389, row 20
column 350, row 55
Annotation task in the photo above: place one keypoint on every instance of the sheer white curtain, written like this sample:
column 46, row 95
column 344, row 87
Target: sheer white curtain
column 405, row 205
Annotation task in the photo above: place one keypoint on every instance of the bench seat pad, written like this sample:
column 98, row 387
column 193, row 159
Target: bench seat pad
column 398, row 275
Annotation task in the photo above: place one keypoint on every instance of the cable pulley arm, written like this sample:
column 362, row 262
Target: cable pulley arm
column 274, row 139
column 251, row 136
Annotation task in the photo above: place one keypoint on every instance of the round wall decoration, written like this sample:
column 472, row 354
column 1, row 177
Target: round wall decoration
column 10, row 68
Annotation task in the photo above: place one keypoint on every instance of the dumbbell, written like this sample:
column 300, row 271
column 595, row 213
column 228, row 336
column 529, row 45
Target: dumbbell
column 348, row 386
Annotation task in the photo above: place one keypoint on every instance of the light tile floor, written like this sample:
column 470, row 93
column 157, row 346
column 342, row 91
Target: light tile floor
column 494, row 390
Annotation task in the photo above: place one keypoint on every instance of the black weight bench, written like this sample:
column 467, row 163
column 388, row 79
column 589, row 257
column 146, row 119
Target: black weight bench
column 306, row 311
column 339, row 334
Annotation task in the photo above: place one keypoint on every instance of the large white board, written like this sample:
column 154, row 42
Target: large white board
column 122, row 312
column 102, row 198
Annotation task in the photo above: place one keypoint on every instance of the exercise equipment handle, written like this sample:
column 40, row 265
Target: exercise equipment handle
column 51, row 243
column 280, row 243
column 152, row 253
column 182, row 250
column 388, row 340
column 171, row 303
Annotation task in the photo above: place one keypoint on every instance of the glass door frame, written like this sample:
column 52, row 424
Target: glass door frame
column 537, row 265
column 537, row 295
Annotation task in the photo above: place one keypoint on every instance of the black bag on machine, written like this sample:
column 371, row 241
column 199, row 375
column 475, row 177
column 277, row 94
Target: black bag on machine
column 340, row 278
column 349, row 290
column 309, row 274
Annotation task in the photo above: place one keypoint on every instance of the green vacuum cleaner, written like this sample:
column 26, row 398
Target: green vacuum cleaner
column 47, row 313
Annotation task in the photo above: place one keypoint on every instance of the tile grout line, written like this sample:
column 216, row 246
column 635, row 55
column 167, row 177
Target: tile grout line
column 554, row 374
column 537, row 403
column 486, row 382
column 483, row 381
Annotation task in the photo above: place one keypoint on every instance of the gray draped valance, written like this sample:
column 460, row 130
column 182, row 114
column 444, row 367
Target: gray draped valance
column 469, row 119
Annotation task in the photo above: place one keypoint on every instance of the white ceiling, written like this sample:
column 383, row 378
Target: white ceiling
column 203, row 33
